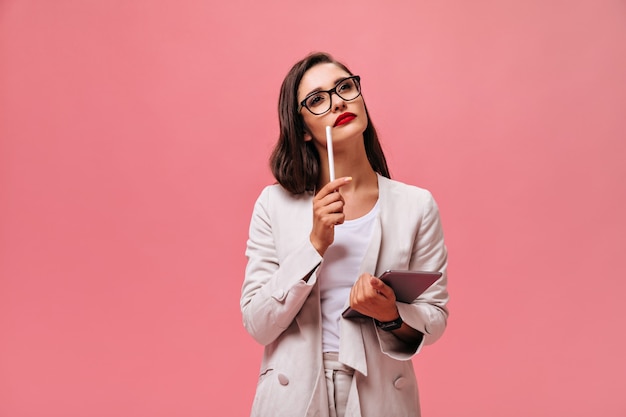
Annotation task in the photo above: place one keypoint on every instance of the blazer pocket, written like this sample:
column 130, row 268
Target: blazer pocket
column 265, row 373
column 265, row 395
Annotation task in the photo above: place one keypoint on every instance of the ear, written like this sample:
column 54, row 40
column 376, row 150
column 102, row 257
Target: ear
column 307, row 136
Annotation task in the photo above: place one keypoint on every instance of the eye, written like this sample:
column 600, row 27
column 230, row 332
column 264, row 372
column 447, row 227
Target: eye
column 345, row 85
column 315, row 100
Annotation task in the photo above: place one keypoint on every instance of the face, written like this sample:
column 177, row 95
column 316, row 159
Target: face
column 348, row 119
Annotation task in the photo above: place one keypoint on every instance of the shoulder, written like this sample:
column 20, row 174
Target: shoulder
column 277, row 192
column 275, row 197
column 402, row 192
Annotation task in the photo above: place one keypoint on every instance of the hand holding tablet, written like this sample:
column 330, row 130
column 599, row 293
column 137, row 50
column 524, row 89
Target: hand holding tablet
column 407, row 286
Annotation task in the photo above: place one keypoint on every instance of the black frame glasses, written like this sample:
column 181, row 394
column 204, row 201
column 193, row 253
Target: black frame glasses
column 357, row 83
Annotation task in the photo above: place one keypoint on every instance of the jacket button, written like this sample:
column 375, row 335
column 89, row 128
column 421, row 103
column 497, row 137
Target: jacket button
column 400, row 382
column 282, row 379
column 279, row 294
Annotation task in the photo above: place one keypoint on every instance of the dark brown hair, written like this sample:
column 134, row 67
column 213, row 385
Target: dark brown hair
column 296, row 163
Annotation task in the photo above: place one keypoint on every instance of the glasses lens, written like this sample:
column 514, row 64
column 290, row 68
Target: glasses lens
column 318, row 103
column 348, row 89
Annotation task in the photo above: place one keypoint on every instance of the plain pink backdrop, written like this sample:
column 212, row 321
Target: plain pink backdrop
column 134, row 138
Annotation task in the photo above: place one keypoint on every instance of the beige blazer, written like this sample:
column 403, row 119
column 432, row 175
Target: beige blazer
column 282, row 312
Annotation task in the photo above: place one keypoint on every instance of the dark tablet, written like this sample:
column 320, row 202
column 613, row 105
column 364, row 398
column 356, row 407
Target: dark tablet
column 407, row 285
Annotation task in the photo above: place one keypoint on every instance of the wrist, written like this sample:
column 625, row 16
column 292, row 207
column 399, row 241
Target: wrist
column 319, row 247
column 389, row 325
column 389, row 316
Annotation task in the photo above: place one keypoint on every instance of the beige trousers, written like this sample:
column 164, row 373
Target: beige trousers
column 338, row 381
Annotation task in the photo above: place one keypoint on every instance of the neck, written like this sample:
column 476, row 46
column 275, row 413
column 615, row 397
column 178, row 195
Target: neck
column 349, row 163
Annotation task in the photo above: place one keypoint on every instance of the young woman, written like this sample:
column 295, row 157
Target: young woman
column 317, row 246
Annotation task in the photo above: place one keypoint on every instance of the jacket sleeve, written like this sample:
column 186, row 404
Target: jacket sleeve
column 428, row 313
column 274, row 288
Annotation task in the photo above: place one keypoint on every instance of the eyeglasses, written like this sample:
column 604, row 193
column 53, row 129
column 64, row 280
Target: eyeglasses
column 320, row 102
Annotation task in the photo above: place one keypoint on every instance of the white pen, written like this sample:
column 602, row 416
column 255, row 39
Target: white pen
column 329, row 149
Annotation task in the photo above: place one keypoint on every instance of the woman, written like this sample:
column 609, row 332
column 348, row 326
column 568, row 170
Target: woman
column 317, row 246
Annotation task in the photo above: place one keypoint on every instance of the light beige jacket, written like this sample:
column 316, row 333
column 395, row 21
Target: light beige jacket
column 282, row 312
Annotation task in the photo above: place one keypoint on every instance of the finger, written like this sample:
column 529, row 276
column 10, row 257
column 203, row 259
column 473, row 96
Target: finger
column 332, row 202
column 335, row 206
column 333, row 186
column 357, row 292
column 376, row 283
column 381, row 288
column 323, row 210
column 332, row 219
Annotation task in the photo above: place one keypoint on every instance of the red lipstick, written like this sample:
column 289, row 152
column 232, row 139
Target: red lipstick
column 344, row 118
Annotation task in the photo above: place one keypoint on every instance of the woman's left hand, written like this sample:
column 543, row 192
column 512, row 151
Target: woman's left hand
column 372, row 297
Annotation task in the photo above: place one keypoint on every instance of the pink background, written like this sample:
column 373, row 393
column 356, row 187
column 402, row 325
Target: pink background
column 134, row 138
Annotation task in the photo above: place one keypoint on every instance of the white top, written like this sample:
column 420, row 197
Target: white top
column 339, row 272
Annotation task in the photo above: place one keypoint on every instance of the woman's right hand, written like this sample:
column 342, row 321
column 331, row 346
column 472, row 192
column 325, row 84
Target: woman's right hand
column 327, row 212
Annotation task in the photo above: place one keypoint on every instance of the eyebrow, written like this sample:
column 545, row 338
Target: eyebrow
column 318, row 89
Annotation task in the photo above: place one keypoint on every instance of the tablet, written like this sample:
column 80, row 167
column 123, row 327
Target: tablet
column 407, row 285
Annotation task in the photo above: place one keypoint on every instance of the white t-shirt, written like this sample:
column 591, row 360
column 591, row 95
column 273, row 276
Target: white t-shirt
column 339, row 272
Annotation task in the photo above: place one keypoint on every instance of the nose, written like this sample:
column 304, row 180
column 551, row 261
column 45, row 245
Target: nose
column 336, row 102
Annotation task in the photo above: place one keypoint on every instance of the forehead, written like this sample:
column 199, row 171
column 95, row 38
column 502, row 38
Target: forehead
column 320, row 77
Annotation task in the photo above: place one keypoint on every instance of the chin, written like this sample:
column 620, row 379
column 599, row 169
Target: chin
column 357, row 128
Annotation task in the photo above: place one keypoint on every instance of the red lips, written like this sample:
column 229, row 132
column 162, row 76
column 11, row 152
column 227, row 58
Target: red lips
column 344, row 118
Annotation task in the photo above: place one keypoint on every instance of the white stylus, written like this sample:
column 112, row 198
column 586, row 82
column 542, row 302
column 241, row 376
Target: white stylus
column 329, row 149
